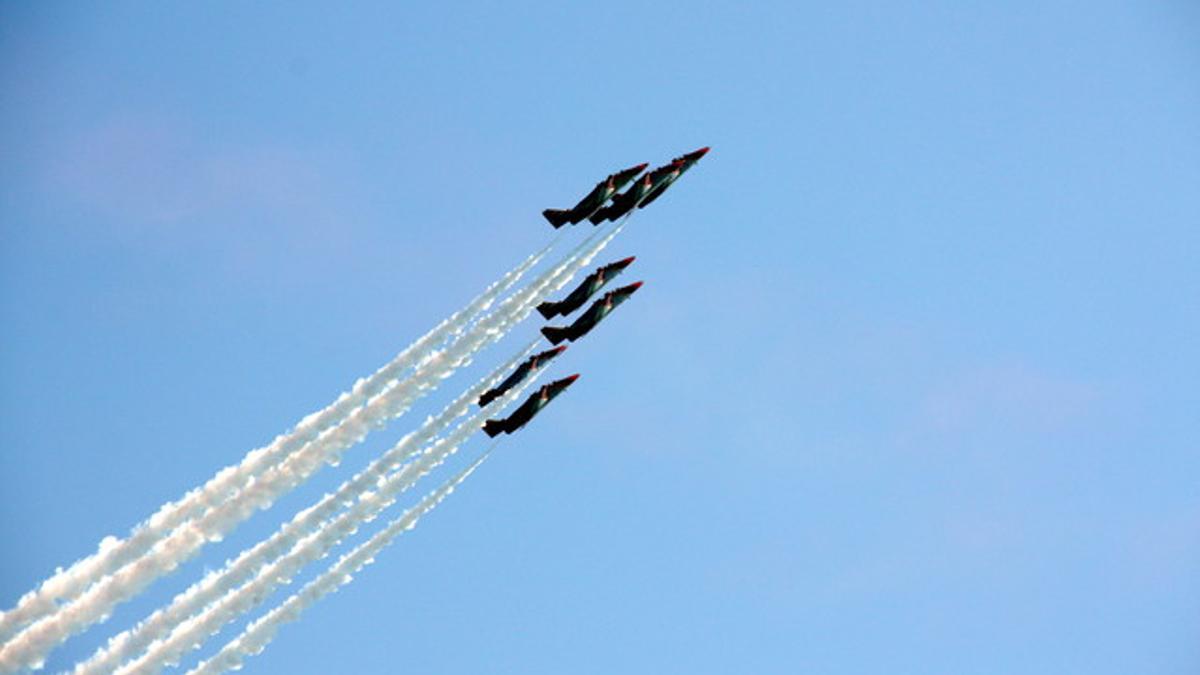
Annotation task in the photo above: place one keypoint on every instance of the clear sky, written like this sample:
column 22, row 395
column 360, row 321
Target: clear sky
column 910, row 388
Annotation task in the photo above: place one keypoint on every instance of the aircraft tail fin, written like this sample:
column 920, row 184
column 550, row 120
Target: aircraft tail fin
column 554, row 334
column 599, row 216
column 548, row 309
column 557, row 217
column 493, row 428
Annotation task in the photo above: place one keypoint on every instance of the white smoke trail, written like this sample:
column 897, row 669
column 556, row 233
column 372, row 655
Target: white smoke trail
column 215, row 502
column 114, row 553
column 260, row 633
column 255, row 638
column 30, row 647
column 191, row 633
column 215, row 584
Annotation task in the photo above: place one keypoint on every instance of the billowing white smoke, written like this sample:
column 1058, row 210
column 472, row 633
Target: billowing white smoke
column 217, row 506
column 256, row 636
column 113, row 553
column 260, row 633
column 135, row 640
column 30, row 647
column 191, row 633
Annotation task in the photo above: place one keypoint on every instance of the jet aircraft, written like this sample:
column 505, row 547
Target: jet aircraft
column 588, row 320
column 647, row 188
column 681, row 164
column 629, row 199
column 594, row 200
column 585, row 290
column 529, row 409
column 531, row 364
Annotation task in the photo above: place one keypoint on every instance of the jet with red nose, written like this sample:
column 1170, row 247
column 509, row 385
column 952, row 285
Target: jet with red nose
column 585, row 290
column 529, row 409
column 648, row 187
column 594, row 200
column 531, row 364
column 594, row 315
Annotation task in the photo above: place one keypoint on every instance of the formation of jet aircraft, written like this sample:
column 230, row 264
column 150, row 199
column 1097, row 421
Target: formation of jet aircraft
column 604, row 202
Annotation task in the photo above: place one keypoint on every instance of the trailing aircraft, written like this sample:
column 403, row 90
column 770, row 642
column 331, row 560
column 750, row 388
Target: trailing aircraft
column 585, row 290
column 594, row 200
column 529, row 409
column 531, row 364
column 595, row 314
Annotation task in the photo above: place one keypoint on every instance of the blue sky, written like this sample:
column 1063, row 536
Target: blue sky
column 911, row 385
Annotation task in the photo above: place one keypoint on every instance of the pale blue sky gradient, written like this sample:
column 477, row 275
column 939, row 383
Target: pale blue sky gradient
column 911, row 386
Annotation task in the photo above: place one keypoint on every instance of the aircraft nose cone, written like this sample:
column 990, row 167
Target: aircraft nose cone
column 561, row 349
column 571, row 379
column 633, row 287
column 702, row 152
column 626, row 262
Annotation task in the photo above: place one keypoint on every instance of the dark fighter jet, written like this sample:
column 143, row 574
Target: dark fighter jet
column 588, row 320
column 647, row 188
column 531, row 407
column 531, row 364
column 594, row 200
column 584, row 291
column 629, row 199
column 681, row 165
